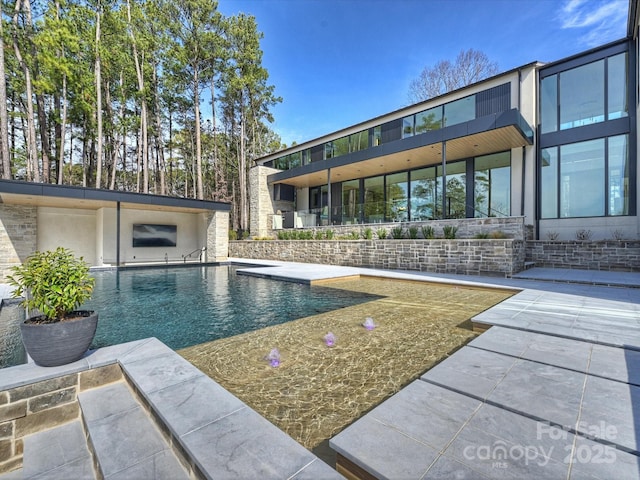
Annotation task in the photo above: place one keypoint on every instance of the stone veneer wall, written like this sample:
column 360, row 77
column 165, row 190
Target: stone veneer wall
column 471, row 257
column 18, row 230
column 623, row 255
column 217, row 236
column 42, row 405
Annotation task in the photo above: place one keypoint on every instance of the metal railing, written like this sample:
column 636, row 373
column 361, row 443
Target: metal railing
column 200, row 252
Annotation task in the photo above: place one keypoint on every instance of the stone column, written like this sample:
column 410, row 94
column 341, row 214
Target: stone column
column 261, row 206
column 18, row 235
column 217, row 236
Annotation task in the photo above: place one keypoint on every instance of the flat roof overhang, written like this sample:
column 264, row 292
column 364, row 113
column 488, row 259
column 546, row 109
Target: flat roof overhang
column 13, row 192
column 481, row 136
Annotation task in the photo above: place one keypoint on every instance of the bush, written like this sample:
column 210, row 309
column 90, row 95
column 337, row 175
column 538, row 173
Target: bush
column 397, row 233
column 450, row 231
column 584, row 235
column 53, row 282
column 413, row 232
column 428, row 232
column 481, row 235
column 497, row 234
column 329, row 234
column 382, row 233
column 367, row 234
column 319, row 235
column 233, row 235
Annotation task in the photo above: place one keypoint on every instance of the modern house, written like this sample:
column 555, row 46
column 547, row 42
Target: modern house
column 554, row 144
column 109, row 228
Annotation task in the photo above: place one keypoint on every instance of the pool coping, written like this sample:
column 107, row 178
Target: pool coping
column 160, row 377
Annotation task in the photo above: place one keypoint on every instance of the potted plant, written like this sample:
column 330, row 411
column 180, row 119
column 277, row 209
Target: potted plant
column 53, row 284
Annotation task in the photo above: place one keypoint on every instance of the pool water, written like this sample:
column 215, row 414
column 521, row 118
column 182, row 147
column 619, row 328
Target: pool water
column 186, row 306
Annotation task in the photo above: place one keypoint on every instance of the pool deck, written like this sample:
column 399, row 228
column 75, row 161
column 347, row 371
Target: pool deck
column 550, row 391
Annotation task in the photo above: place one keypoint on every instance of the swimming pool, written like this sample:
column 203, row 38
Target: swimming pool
column 184, row 306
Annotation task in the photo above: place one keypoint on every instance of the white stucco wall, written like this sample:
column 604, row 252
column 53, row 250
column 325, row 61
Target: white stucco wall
column 74, row 229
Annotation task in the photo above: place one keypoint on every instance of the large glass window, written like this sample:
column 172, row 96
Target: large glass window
column 460, row 111
column 492, row 185
column 549, row 104
column 424, row 192
column 377, row 136
column 617, row 86
column 428, row 120
column 374, row 199
column 350, row 202
column 397, row 197
column 328, row 150
column 456, row 189
column 407, row 126
column 341, row 146
column 359, row 141
column 582, row 95
column 582, row 179
column 618, row 170
column 549, row 183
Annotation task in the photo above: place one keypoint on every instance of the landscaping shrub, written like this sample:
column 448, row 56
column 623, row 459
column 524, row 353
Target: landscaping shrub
column 382, row 233
column 450, row 231
column 428, row 232
column 397, row 233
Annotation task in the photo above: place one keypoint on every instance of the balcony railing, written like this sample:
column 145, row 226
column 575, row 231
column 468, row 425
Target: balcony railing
column 378, row 212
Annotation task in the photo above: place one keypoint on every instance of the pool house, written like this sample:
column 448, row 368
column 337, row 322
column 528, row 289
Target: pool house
column 109, row 228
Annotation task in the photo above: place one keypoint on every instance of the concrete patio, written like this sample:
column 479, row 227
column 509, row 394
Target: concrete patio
column 550, row 391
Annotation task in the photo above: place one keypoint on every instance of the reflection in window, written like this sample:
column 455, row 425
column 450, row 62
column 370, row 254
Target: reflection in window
column 377, row 136
column 581, row 179
column 456, row 189
column 549, row 104
column 617, row 86
column 492, row 185
column 618, row 188
column 359, row 141
column 341, row 146
column 428, row 120
column 328, row 150
column 460, row 111
column 424, row 192
column 397, row 197
column 374, row 199
column 549, row 183
column 407, row 126
column 582, row 95
column 350, row 202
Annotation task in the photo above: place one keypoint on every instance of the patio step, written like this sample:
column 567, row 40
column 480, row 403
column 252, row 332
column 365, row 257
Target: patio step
column 59, row 452
column 126, row 441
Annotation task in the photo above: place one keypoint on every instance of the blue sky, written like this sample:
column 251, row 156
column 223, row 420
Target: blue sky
column 336, row 63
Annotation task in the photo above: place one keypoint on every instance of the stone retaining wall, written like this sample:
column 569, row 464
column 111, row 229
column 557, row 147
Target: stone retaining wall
column 623, row 255
column 470, row 257
column 42, row 405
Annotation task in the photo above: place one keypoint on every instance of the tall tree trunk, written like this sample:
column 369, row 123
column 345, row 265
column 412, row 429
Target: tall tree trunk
column 196, row 100
column 61, row 126
column 4, row 119
column 33, row 171
column 159, row 143
column 242, row 174
column 98, row 78
column 143, row 103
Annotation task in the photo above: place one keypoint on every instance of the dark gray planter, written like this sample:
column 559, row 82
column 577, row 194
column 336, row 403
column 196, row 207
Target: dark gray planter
column 53, row 344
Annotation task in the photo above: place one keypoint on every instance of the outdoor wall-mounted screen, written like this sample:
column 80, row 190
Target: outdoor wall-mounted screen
column 147, row 235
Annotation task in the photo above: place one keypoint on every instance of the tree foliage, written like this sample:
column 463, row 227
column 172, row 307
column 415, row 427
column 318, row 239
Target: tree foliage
column 470, row 66
column 148, row 96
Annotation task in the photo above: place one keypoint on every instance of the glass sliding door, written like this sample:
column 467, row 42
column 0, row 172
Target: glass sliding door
column 492, row 185
column 350, row 202
column 374, row 199
column 424, row 192
column 398, row 197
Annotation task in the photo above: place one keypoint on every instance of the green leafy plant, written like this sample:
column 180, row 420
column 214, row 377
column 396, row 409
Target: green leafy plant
column 428, row 232
column 382, row 233
column 397, row 232
column 329, row 234
column 53, row 282
column 319, row 235
column 481, row 235
column 449, row 231
column 367, row 234
column 233, row 235
column 413, row 232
